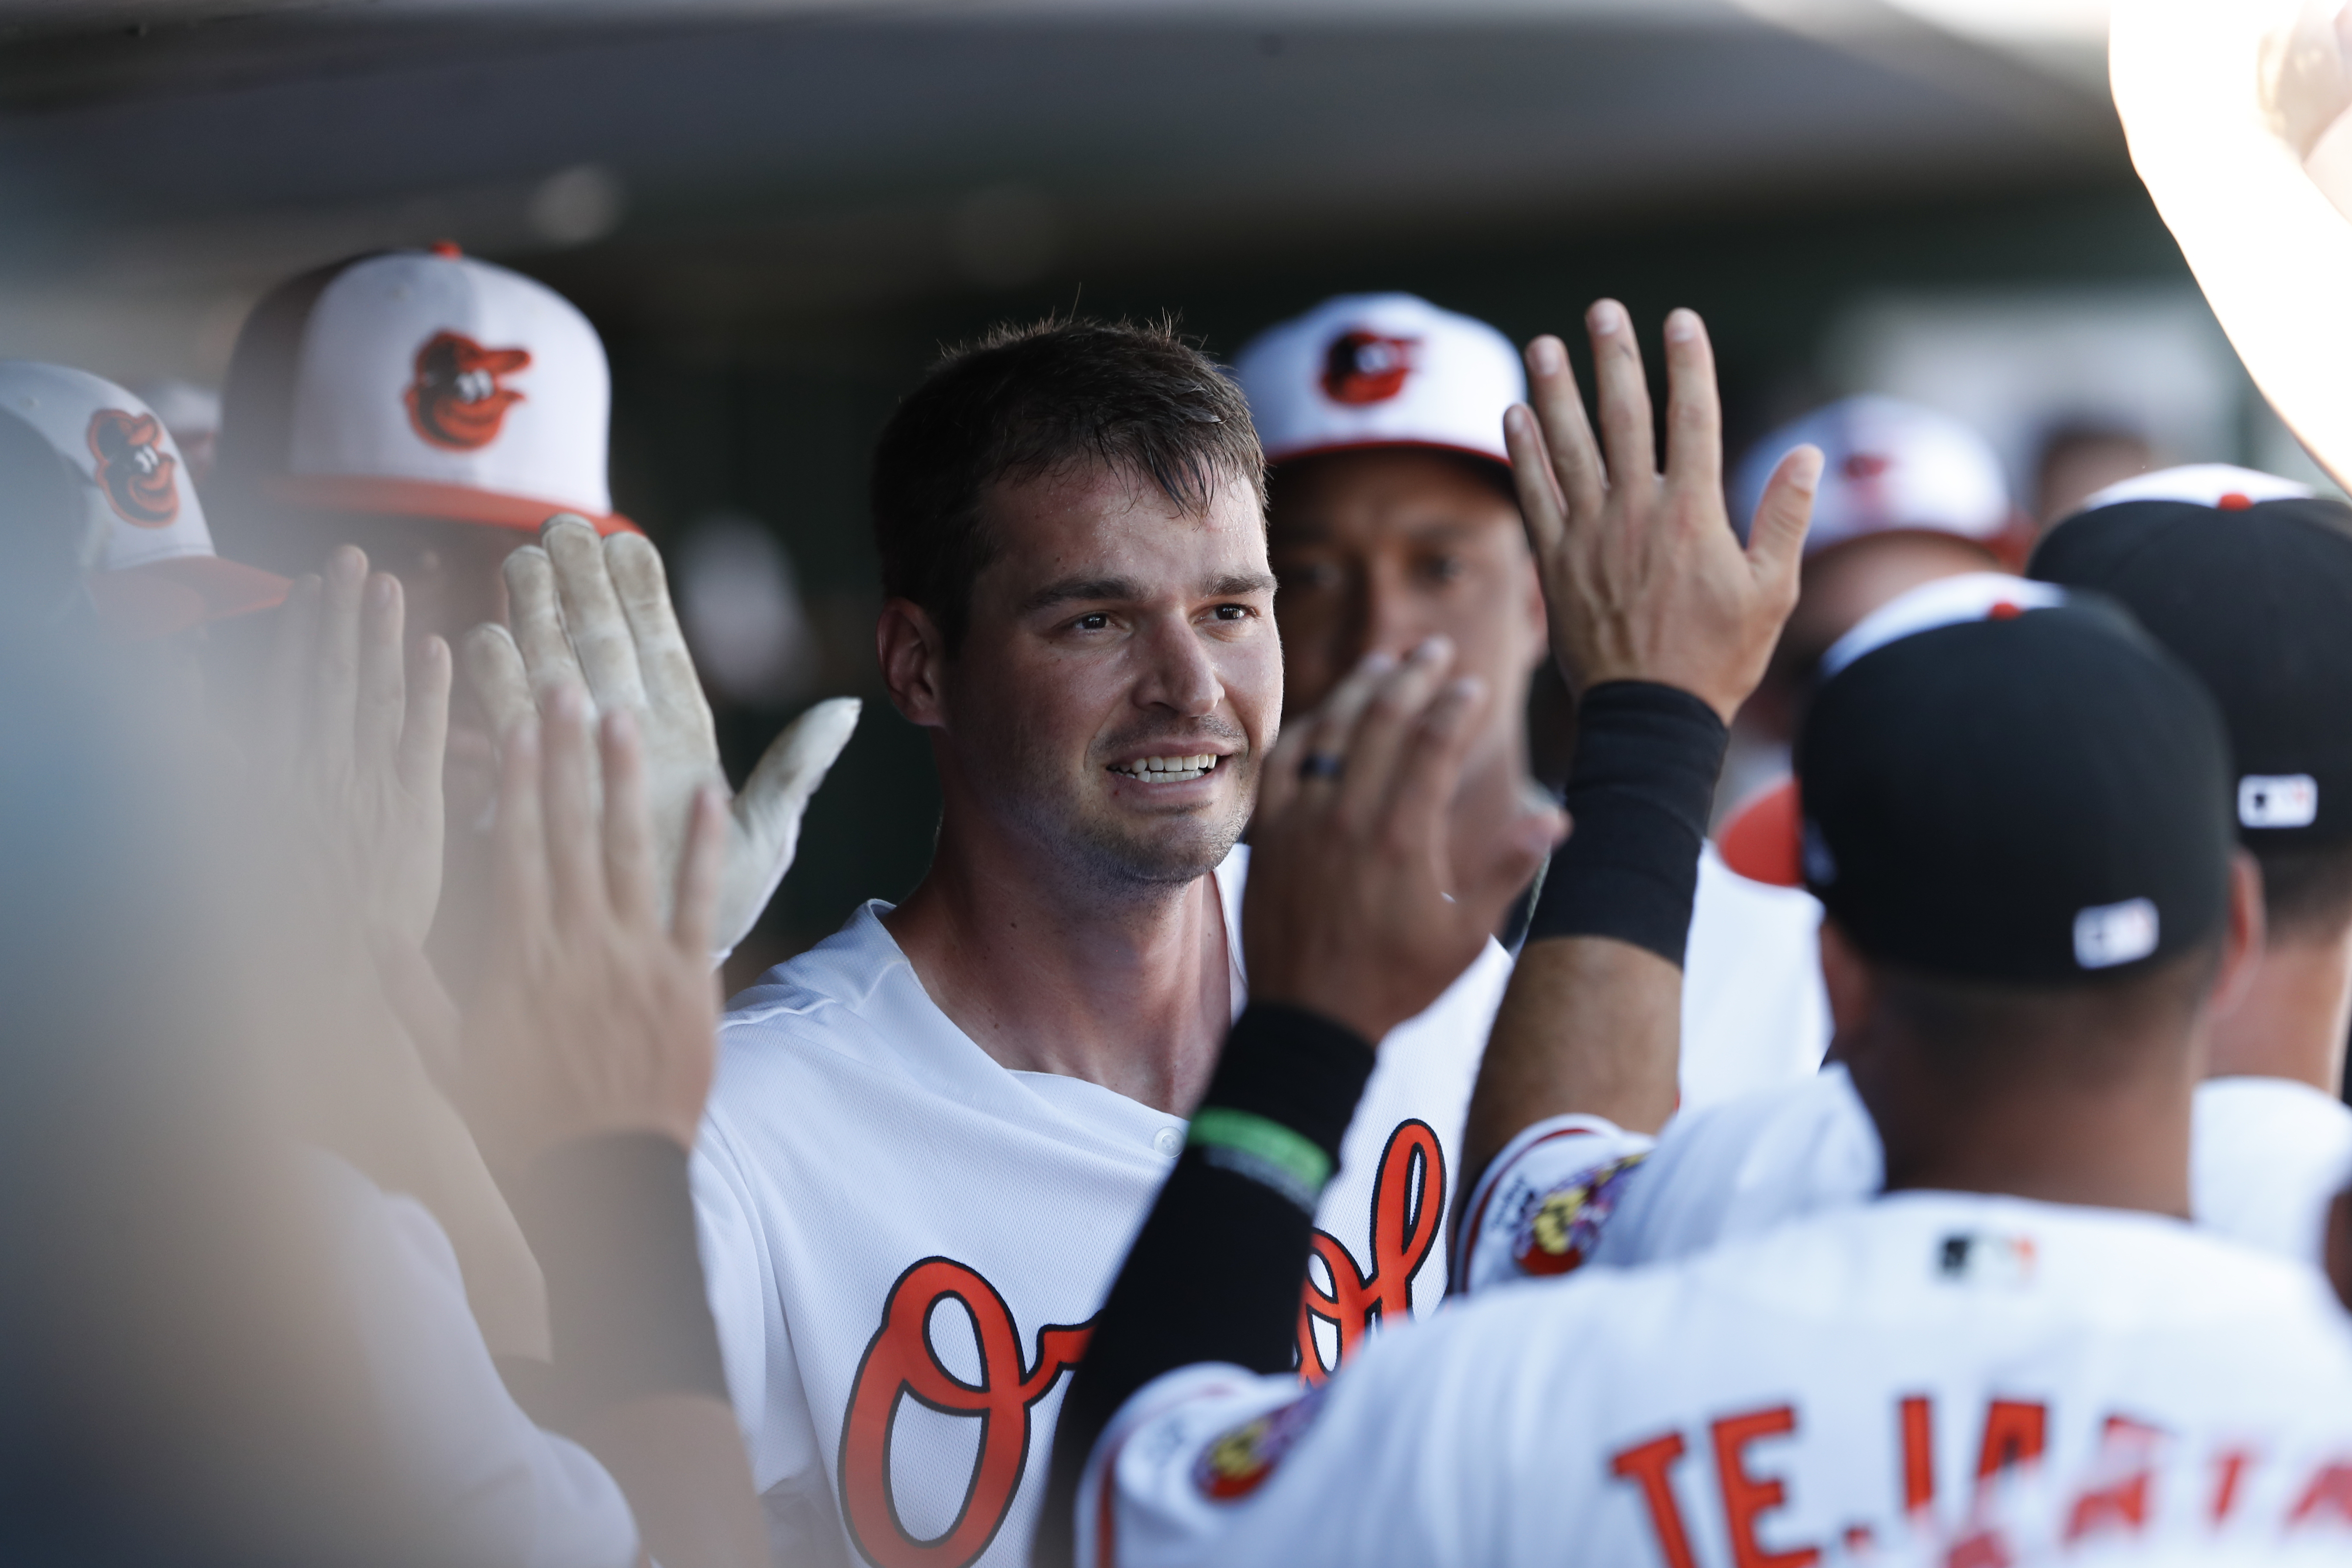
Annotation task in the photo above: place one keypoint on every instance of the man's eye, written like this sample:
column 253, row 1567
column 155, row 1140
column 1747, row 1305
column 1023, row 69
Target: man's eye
column 1442, row 568
column 1097, row 622
column 1233, row 612
column 1303, row 579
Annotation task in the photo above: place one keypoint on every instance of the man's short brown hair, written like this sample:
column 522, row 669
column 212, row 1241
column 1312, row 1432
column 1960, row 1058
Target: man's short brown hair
column 1026, row 401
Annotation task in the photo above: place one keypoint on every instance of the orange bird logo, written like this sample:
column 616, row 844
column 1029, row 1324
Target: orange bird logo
column 140, row 479
column 456, row 400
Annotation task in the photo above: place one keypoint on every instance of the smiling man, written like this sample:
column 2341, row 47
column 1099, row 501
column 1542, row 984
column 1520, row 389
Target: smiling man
column 933, row 1135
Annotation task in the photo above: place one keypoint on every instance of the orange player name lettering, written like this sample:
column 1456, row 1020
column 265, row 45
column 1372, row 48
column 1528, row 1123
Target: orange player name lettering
column 1746, row 1496
column 900, row 1363
column 1649, row 1465
column 1408, row 1201
column 1918, row 1419
column 2014, row 1433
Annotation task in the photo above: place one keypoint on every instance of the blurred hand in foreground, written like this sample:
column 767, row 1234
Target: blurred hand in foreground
column 1349, row 910
column 1642, row 573
column 596, row 1010
column 597, row 613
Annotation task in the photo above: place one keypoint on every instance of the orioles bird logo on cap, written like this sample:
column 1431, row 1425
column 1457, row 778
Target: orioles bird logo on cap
column 456, row 400
column 140, row 479
column 1363, row 367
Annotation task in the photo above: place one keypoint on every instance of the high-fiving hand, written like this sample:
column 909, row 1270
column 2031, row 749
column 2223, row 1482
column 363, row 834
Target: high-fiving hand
column 1642, row 573
column 597, row 613
column 1351, row 910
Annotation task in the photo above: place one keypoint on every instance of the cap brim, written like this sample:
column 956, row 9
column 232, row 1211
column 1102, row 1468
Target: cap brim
column 375, row 496
column 1326, row 448
column 137, row 603
column 2268, row 248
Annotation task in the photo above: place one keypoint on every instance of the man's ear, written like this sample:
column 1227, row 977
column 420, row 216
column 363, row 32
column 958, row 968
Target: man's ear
column 1852, row 984
column 2244, row 940
column 914, row 660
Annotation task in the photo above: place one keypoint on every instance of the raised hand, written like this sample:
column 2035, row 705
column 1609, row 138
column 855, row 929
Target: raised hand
column 1350, row 909
column 596, row 1011
column 352, row 736
column 597, row 613
column 1642, row 573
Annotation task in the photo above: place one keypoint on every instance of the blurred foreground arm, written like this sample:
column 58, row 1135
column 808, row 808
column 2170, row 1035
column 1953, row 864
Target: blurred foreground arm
column 583, row 1065
column 1350, row 928
column 1662, row 624
column 597, row 613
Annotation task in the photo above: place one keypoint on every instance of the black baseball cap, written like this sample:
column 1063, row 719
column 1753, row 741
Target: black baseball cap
column 2039, row 793
column 2256, row 598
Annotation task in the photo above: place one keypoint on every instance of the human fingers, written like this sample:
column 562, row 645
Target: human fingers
column 1323, row 738
column 1776, row 536
column 1558, row 404
column 592, row 612
column 1428, row 760
column 535, row 612
column 335, row 667
column 628, row 832
column 494, row 666
column 1627, row 444
column 285, row 682
column 575, row 857
column 664, row 665
column 519, row 885
column 1694, row 409
column 422, row 1003
column 1379, row 737
column 701, row 871
column 425, row 738
column 383, row 676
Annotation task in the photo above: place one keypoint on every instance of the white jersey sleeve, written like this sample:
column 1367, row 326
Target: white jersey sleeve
column 1574, row 1190
column 2268, row 1156
column 496, row 1487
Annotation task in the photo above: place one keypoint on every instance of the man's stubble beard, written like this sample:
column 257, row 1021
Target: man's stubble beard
column 1111, row 855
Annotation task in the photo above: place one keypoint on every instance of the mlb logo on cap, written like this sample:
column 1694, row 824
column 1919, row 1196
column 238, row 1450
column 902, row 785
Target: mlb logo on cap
column 1381, row 370
column 424, row 383
column 151, row 565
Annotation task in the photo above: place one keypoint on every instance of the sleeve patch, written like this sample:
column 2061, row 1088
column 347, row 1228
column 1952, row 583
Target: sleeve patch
column 1556, row 1228
column 1237, row 1461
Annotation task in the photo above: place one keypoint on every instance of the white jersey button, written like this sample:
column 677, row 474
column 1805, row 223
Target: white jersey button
column 1168, row 1140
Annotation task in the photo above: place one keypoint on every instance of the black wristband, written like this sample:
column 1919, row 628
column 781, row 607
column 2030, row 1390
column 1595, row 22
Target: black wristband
column 610, row 1219
column 1639, row 793
column 1216, row 1271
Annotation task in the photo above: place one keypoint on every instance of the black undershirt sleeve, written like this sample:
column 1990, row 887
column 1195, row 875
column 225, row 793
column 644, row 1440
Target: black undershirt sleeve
column 1217, row 1273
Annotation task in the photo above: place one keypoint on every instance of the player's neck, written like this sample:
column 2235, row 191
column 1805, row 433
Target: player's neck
column 2110, row 1145
column 1128, row 989
column 2292, row 1021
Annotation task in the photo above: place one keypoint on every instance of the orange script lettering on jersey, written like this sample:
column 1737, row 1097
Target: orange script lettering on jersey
column 1408, row 1205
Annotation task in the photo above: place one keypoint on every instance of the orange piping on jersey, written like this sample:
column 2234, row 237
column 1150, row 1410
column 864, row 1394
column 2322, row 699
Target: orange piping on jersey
column 1405, row 1216
column 1645, row 1465
column 1748, row 1497
column 2331, row 1489
column 2229, row 1469
column 1918, row 1419
column 2014, row 1432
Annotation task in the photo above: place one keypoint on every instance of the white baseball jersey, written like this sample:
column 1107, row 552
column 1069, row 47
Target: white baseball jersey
column 905, row 1240
column 2266, row 1158
column 1779, row 1403
column 492, row 1487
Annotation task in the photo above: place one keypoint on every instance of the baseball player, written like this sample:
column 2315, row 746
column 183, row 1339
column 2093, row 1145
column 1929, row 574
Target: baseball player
column 1392, row 517
column 2242, row 575
column 2029, row 938
column 933, row 1135
column 1908, row 495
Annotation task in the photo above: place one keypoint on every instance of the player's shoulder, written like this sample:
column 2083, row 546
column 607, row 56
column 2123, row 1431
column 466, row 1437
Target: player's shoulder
column 848, row 1008
column 2268, row 1109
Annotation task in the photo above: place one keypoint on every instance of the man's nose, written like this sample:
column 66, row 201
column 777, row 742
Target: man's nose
column 1392, row 621
column 1177, row 673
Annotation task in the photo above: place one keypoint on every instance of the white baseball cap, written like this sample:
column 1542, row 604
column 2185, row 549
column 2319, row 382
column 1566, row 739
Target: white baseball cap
column 422, row 383
column 151, row 569
column 2223, row 485
column 1381, row 370
column 1890, row 466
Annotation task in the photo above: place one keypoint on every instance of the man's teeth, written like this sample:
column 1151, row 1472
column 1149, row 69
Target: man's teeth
column 1167, row 770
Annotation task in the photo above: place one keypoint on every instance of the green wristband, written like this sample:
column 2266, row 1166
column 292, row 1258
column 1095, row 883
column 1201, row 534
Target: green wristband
column 1264, row 1151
